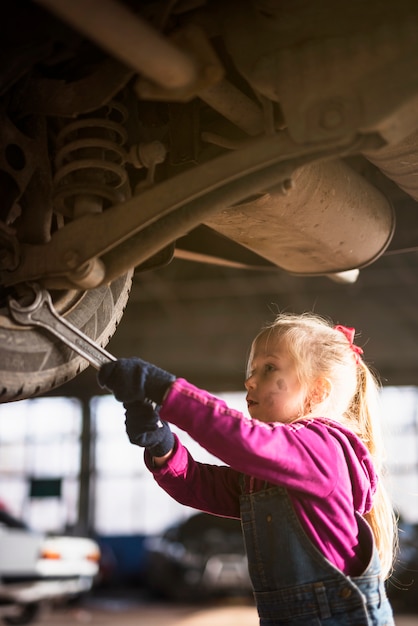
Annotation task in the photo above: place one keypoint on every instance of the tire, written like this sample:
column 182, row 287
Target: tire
column 28, row 613
column 33, row 361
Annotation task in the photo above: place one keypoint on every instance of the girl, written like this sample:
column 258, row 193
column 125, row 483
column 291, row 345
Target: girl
column 302, row 474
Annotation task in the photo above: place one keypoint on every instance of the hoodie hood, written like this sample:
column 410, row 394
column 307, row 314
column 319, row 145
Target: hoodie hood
column 360, row 465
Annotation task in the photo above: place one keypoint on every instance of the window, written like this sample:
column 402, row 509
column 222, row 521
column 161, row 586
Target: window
column 40, row 439
column 400, row 421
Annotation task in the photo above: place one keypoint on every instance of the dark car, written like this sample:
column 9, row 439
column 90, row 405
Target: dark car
column 202, row 557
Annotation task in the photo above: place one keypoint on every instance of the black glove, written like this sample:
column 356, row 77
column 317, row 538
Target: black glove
column 134, row 379
column 145, row 428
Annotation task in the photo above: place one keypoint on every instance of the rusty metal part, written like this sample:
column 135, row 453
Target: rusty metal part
column 90, row 174
column 127, row 234
column 25, row 166
column 235, row 106
column 147, row 155
column 194, row 41
column 222, row 141
column 89, row 275
column 60, row 98
column 331, row 71
column 129, row 38
column 18, row 154
column 90, row 163
column 327, row 219
column 41, row 312
column 399, row 162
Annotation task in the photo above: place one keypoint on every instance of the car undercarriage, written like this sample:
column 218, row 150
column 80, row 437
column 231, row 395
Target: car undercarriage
column 254, row 134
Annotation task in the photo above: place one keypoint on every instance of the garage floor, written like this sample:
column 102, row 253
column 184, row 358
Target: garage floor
column 115, row 612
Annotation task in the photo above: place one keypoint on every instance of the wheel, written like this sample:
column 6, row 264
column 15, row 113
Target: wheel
column 27, row 614
column 33, row 361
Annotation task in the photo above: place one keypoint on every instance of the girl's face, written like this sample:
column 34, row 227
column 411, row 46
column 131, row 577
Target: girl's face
column 274, row 393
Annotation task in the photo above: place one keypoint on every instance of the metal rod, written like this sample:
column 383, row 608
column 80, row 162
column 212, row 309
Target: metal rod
column 127, row 37
column 235, row 106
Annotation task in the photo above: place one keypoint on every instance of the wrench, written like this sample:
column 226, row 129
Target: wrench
column 41, row 312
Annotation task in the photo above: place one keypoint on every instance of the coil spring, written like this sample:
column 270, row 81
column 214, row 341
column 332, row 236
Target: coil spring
column 90, row 160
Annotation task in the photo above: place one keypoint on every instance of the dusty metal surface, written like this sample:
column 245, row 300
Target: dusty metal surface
column 286, row 130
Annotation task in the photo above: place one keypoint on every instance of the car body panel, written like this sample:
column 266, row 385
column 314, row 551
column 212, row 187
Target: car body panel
column 35, row 566
column 200, row 557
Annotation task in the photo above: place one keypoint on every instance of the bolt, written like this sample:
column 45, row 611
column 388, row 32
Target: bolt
column 287, row 185
column 331, row 117
column 89, row 275
column 147, row 154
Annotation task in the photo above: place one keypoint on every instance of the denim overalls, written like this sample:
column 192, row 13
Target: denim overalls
column 293, row 582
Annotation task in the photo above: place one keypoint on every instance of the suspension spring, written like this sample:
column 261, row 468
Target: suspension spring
column 90, row 162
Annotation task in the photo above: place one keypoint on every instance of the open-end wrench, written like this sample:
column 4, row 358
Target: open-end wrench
column 41, row 312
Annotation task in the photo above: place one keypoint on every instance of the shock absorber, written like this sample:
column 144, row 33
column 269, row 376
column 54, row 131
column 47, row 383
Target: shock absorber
column 90, row 163
column 90, row 175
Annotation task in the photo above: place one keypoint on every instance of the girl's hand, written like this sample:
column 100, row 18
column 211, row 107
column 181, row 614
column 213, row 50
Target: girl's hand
column 133, row 379
column 145, row 429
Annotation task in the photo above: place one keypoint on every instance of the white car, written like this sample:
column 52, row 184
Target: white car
column 36, row 568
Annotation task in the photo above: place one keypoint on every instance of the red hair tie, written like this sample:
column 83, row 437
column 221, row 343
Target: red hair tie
column 349, row 333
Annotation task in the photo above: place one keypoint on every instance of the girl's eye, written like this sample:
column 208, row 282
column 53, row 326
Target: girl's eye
column 269, row 367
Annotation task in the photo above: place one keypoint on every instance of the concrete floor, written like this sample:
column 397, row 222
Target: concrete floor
column 153, row 616
column 117, row 612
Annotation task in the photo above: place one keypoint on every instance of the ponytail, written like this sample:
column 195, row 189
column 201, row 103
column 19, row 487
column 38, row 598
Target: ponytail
column 363, row 416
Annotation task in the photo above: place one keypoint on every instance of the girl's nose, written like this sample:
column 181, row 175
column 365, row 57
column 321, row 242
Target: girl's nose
column 249, row 382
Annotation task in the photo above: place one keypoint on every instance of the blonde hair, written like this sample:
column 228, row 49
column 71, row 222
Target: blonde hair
column 321, row 352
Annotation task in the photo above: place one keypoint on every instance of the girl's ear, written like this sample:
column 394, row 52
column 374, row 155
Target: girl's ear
column 321, row 390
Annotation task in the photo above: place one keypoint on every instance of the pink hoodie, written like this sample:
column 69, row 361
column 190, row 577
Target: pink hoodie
column 326, row 469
